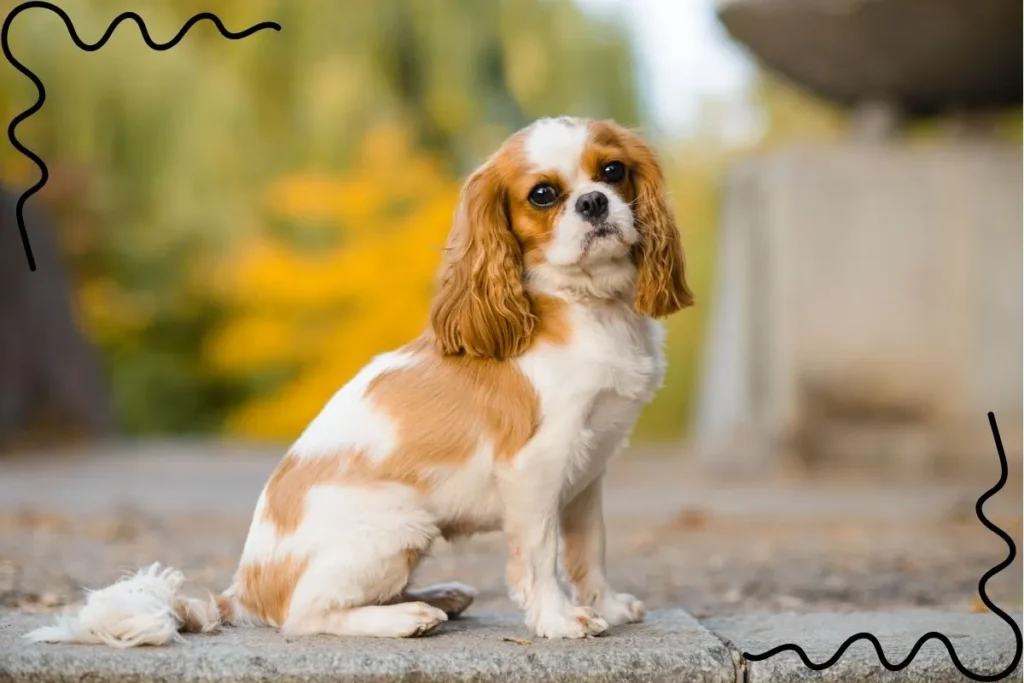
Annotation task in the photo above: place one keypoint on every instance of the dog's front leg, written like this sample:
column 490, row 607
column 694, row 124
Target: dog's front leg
column 583, row 559
column 531, row 528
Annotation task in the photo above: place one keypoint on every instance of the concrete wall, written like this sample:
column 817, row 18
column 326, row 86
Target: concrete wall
column 868, row 307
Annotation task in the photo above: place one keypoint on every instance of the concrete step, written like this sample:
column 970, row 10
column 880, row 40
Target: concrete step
column 669, row 646
column 983, row 643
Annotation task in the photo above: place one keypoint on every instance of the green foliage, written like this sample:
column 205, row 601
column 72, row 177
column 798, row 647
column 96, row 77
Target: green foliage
column 165, row 157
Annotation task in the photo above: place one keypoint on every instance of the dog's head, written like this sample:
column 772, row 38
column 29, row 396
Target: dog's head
column 568, row 204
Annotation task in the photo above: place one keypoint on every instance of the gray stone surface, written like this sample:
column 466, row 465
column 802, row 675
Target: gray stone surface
column 983, row 642
column 924, row 56
column 868, row 312
column 670, row 646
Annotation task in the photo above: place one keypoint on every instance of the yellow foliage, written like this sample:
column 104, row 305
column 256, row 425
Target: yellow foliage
column 108, row 313
column 326, row 314
column 254, row 339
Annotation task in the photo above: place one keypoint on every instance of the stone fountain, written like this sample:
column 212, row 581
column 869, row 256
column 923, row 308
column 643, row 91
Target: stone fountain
column 920, row 57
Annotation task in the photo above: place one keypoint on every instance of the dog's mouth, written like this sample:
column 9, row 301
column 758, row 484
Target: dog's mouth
column 601, row 232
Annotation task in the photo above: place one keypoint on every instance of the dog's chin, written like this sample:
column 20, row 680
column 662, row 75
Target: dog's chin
column 603, row 245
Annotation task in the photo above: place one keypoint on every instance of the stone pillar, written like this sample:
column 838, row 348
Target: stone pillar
column 52, row 386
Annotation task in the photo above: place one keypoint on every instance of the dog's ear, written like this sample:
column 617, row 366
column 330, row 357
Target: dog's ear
column 661, row 287
column 482, row 309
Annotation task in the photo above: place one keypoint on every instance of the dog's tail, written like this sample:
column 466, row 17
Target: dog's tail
column 143, row 608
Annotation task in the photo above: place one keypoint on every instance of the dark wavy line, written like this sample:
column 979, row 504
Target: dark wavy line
column 934, row 635
column 44, row 173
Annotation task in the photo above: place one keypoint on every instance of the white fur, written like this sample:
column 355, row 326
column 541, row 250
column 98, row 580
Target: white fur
column 468, row 492
column 556, row 145
column 352, row 538
column 568, row 246
column 591, row 394
column 350, row 535
column 144, row 608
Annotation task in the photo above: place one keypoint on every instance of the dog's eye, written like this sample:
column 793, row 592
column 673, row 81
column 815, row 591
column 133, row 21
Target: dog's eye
column 613, row 172
column 543, row 195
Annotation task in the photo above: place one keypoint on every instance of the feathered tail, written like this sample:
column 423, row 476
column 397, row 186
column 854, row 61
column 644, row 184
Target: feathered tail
column 144, row 608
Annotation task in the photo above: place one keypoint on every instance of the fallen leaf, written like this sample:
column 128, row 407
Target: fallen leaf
column 690, row 520
column 516, row 641
column 977, row 605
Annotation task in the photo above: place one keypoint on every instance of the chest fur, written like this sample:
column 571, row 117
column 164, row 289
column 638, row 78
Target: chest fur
column 595, row 386
column 614, row 355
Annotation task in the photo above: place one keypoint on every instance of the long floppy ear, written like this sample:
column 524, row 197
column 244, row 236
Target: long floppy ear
column 481, row 308
column 661, row 287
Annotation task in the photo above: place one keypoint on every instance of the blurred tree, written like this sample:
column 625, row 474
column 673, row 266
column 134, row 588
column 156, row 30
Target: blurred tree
column 179, row 147
column 50, row 386
column 305, row 319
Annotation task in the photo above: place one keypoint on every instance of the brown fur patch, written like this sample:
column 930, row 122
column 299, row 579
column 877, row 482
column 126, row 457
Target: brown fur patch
column 553, row 325
column 295, row 476
column 363, row 471
column 444, row 405
column 265, row 588
column 289, row 484
column 481, row 308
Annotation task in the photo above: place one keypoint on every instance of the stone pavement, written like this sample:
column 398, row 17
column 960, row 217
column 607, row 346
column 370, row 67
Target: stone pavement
column 670, row 646
column 756, row 564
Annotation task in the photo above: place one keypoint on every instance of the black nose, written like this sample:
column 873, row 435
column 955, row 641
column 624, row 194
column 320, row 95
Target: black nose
column 593, row 206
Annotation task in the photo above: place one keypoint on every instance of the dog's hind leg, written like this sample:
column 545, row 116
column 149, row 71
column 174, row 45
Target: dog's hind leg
column 399, row 620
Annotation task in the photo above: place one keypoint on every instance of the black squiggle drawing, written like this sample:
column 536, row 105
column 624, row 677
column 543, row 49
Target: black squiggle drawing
column 44, row 173
column 933, row 635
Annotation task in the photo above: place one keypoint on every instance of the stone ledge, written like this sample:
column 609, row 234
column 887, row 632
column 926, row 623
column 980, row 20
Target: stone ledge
column 983, row 643
column 670, row 646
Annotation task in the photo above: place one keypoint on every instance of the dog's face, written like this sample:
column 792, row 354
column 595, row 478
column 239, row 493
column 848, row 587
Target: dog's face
column 568, row 204
column 570, row 194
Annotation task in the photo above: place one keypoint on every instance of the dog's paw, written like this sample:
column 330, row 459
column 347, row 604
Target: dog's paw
column 411, row 619
column 575, row 622
column 621, row 608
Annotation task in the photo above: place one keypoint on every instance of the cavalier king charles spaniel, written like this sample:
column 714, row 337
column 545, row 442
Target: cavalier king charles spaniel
column 541, row 351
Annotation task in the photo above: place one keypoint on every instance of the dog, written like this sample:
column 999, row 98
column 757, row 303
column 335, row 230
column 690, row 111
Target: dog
column 543, row 345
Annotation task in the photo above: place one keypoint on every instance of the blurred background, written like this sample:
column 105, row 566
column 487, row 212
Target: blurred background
column 232, row 228
column 245, row 223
